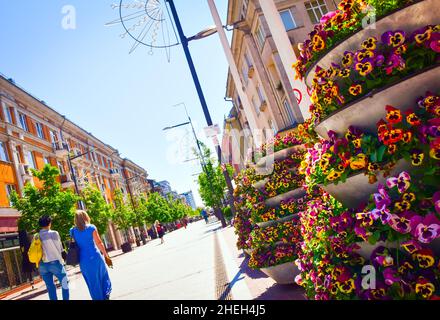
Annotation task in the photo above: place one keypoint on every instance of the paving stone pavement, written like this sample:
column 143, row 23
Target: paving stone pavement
column 183, row 268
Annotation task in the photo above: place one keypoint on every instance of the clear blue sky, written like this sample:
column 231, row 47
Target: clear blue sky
column 125, row 100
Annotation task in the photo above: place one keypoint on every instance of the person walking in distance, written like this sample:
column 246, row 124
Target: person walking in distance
column 204, row 215
column 52, row 263
column 160, row 231
column 92, row 257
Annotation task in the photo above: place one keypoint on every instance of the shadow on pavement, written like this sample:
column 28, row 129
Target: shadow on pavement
column 251, row 273
column 283, row 292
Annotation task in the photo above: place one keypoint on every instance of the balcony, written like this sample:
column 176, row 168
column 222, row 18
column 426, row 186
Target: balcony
column 66, row 181
column 60, row 149
column 25, row 171
column 115, row 173
column 76, row 153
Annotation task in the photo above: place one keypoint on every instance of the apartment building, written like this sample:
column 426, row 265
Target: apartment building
column 32, row 134
column 189, row 199
column 266, row 79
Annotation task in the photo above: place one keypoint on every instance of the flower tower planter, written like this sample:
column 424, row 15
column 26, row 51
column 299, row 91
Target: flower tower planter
column 376, row 103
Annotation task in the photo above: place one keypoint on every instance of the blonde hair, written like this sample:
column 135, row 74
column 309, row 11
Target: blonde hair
column 81, row 219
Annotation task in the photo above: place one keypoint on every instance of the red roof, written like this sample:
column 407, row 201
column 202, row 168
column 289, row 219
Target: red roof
column 8, row 224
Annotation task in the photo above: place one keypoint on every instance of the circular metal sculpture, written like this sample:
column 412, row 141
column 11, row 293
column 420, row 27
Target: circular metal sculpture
column 148, row 23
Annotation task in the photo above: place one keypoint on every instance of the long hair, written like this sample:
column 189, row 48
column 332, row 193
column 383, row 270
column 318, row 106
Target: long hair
column 81, row 219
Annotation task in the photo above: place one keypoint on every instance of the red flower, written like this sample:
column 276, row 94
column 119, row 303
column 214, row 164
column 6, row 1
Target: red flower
column 394, row 115
column 412, row 118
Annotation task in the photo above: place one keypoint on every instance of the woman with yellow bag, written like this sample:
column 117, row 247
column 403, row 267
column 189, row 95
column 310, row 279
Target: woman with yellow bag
column 46, row 252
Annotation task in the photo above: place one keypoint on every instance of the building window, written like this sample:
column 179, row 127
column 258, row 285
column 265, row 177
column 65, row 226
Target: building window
column 3, row 152
column 39, row 129
column 288, row 20
column 256, row 106
column 260, row 35
column 23, row 122
column 248, row 60
column 316, row 9
column 31, row 160
column 244, row 8
column 244, row 70
column 8, row 114
column 10, row 188
column 289, row 112
column 46, row 160
column 272, row 126
column 53, row 136
column 60, row 167
column 261, row 95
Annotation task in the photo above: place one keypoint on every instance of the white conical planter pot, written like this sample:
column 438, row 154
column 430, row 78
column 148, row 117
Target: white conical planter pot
column 283, row 274
column 366, row 112
column 367, row 249
column 357, row 189
column 276, row 201
column 409, row 19
column 264, row 166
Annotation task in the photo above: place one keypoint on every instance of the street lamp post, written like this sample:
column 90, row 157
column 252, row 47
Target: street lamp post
column 201, row 155
column 202, row 99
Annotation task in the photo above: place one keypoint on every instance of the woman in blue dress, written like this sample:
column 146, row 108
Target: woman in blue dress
column 91, row 256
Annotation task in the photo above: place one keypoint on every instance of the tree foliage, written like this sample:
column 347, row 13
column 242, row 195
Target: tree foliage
column 97, row 208
column 122, row 215
column 50, row 200
column 212, row 183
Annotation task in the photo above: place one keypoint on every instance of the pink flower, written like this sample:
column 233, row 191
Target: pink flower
column 328, row 16
column 425, row 229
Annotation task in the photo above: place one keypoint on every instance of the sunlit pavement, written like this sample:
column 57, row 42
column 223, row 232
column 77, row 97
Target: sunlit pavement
column 183, row 268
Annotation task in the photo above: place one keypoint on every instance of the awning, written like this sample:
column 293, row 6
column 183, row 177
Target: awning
column 8, row 224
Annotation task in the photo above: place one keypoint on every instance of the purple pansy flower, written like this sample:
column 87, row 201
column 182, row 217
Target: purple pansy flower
column 394, row 38
column 390, row 276
column 402, row 223
column 383, row 213
column 436, row 200
column 434, row 42
column 411, row 246
column 394, row 61
column 402, row 182
column 382, row 197
column 425, row 229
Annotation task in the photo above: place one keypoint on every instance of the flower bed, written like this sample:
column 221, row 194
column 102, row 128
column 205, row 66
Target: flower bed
column 286, row 208
column 304, row 133
column 376, row 65
column 287, row 232
column 266, row 257
column 405, row 210
column 245, row 198
column 412, row 135
column 337, row 26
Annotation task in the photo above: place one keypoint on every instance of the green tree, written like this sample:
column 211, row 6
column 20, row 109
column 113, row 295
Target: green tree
column 140, row 211
column 97, row 208
column 122, row 215
column 157, row 208
column 50, row 200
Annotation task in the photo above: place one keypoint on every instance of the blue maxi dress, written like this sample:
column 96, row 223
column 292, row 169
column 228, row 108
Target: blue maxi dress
column 92, row 263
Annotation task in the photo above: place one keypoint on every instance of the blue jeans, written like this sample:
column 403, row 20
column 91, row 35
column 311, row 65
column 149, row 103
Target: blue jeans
column 50, row 269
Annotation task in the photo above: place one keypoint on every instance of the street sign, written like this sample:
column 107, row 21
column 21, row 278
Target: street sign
column 212, row 131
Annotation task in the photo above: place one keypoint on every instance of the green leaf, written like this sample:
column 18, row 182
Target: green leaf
column 380, row 153
column 374, row 237
column 373, row 156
